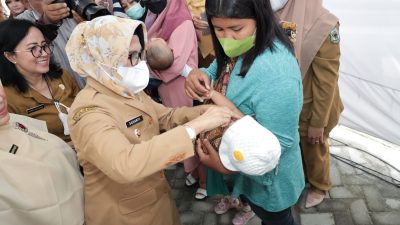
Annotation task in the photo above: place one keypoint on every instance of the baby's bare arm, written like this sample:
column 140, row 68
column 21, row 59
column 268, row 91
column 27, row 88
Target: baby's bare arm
column 221, row 100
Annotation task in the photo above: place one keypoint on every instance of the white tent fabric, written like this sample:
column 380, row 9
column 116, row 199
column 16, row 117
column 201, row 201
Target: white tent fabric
column 370, row 65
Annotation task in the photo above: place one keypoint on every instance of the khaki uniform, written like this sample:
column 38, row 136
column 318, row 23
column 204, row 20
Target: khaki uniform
column 35, row 105
column 123, row 155
column 321, row 108
column 39, row 176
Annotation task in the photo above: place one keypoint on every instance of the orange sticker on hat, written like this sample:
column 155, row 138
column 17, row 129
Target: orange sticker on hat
column 237, row 155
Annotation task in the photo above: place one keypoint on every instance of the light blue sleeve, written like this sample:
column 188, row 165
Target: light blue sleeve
column 211, row 71
column 277, row 105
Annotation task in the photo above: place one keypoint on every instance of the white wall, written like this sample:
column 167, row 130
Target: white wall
column 370, row 65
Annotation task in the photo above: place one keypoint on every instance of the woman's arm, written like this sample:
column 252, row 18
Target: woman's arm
column 278, row 108
column 105, row 146
column 197, row 85
column 200, row 118
column 100, row 141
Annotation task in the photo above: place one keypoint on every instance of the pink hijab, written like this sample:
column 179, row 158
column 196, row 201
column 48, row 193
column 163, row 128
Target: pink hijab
column 174, row 14
column 314, row 24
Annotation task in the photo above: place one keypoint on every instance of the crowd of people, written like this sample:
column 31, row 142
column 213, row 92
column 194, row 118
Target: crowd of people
column 243, row 93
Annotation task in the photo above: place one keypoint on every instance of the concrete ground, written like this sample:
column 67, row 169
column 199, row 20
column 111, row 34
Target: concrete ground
column 356, row 198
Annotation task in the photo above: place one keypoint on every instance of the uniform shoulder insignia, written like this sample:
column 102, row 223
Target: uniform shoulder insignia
column 334, row 36
column 78, row 115
column 290, row 29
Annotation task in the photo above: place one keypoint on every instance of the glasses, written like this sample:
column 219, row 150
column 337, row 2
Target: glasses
column 135, row 57
column 37, row 50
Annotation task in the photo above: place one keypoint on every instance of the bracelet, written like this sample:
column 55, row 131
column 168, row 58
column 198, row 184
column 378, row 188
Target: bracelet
column 190, row 131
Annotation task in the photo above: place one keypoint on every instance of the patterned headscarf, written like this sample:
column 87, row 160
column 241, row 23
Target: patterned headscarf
column 96, row 47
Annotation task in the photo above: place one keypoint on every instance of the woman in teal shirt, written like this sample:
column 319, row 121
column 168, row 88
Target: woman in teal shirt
column 263, row 80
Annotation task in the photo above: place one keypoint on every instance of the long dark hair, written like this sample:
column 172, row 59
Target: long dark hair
column 12, row 31
column 267, row 26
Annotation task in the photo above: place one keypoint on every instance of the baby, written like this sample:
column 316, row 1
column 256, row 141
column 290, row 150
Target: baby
column 158, row 55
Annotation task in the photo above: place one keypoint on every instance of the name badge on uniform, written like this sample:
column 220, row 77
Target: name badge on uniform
column 13, row 149
column 35, row 108
column 134, row 121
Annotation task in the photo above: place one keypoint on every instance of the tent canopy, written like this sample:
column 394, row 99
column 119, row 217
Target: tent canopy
column 370, row 65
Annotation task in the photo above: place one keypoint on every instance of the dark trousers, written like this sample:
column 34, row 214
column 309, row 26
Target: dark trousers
column 283, row 217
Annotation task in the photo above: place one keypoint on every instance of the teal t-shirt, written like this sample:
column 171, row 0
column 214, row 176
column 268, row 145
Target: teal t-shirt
column 272, row 91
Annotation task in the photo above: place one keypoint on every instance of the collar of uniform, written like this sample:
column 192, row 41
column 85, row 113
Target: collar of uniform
column 31, row 93
column 134, row 102
column 101, row 88
column 55, row 90
column 27, row 94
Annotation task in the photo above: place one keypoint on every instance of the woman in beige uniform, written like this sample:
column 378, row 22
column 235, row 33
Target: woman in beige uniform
column 116, row 127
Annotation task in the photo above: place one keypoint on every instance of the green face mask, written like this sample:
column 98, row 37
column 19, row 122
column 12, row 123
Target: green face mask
column 234, row 48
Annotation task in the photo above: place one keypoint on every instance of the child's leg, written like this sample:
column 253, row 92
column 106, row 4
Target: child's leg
column 201, row 192
column 202, row 174
column 190, row 165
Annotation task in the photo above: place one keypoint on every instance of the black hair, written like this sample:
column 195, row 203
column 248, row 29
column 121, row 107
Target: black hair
column 267, row 28
column 12, row 31
column 140, row 33
column 8, row 2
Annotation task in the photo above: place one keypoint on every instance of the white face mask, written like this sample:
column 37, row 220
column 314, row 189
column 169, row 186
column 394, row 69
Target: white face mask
column 278, row 4
column 135, row 78
column 63, row 116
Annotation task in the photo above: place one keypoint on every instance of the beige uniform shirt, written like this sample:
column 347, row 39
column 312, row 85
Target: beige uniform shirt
column 322, row 105
column 39, row 177
column 123, row 155
column 35, row 105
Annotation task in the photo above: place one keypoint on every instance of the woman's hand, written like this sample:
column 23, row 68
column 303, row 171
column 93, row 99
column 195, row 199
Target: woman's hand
column 213, row 117
column 197, row 85
column 315, row 135
column 199, row 23
column 210, row 157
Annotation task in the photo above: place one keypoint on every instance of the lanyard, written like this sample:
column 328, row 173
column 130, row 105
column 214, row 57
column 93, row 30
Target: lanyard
column 57, row 103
